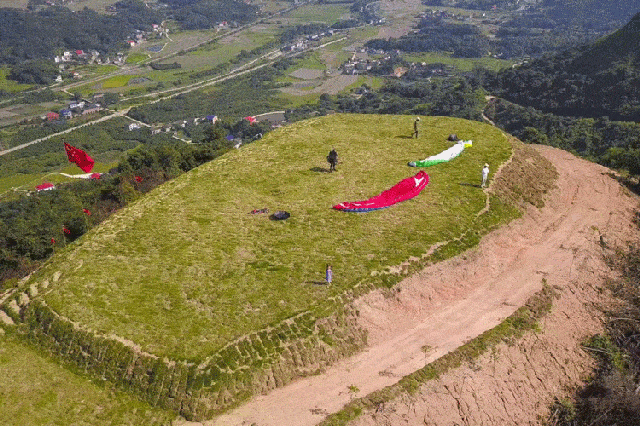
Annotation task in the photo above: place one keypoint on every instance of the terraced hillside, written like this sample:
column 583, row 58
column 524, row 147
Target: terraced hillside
column 193, row 303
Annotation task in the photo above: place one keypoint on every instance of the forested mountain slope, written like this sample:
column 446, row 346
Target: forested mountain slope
column 602, row 79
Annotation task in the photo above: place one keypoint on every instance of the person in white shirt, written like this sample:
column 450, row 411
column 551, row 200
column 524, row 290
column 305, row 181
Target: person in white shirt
column 485, row 175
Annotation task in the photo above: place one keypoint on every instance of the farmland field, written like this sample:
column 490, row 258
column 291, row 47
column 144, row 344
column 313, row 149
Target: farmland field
column 326, row 13
column 461, row 64
column 97, row 5
column 20, row 4
column 135, row 58
column 117, row 81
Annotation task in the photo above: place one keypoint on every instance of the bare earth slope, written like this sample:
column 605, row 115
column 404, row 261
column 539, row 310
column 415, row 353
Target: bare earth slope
column 451, row 302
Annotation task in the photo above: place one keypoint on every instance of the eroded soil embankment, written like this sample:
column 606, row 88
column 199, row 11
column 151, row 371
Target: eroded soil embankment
column 450, row 302
column 516, row 384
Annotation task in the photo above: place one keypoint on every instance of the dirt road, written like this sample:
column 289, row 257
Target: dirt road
column 449, row 303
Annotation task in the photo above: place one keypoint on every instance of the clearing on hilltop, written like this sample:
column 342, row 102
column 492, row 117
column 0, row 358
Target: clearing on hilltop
column 185, row 291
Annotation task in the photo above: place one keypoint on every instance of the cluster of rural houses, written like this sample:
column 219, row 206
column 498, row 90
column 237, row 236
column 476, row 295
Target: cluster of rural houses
column 76, row 109
column 304, row 42
column 363, row 65
column 93, row 56
column 274, row 118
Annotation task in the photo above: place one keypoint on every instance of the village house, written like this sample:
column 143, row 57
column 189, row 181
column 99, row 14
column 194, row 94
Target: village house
column 90, row 109
column 77, row 105
column 399, row 71
column 274, row 118
column 133, row 126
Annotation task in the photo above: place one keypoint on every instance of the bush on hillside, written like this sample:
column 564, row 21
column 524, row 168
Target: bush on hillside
column 612, row 396
column 31, row 228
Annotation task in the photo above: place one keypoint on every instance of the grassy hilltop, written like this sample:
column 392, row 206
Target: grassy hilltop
column 186, row 269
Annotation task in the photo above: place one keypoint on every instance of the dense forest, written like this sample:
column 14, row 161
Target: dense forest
column 529, row 34
column 595, row 15
column 27, row 35
column 465, row 41
column 204, row 14
column 602, row 79
column 611, row 143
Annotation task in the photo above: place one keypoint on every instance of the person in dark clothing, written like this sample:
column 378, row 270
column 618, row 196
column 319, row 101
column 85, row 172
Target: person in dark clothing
column 332, row 159
column 415, row 127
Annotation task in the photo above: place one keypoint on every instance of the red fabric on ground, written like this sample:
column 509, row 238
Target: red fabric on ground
column 404, row 190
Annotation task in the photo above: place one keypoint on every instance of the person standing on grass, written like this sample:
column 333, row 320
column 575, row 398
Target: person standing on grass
column 328, row 274
column 415, row 127
column 485, row 175
column 332, row 159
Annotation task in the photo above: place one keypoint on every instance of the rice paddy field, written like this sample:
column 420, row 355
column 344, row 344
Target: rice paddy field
column 187, row 269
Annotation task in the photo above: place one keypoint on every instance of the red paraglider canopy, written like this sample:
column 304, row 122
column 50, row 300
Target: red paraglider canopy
column 404, row 190
column 45, row 186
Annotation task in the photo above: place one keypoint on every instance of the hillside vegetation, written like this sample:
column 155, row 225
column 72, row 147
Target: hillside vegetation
column 57, row 396
column 602, row 79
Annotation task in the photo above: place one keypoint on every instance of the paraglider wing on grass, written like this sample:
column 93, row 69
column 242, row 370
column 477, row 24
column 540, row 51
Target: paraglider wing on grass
column 404, row 190
column 444, row 156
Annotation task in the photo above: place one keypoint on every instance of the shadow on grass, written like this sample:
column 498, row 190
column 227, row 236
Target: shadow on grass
column 317, row 282
column 471, row 184
column 319, row 170
column 404, row 137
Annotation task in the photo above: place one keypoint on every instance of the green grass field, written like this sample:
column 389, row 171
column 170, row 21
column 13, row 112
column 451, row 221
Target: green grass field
column 117, row 81
column 326, row 13
column 10, row 85
column 35, row 390
column 186, row 269
column 97, row 5
column 462, row 64
column 135, row 58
